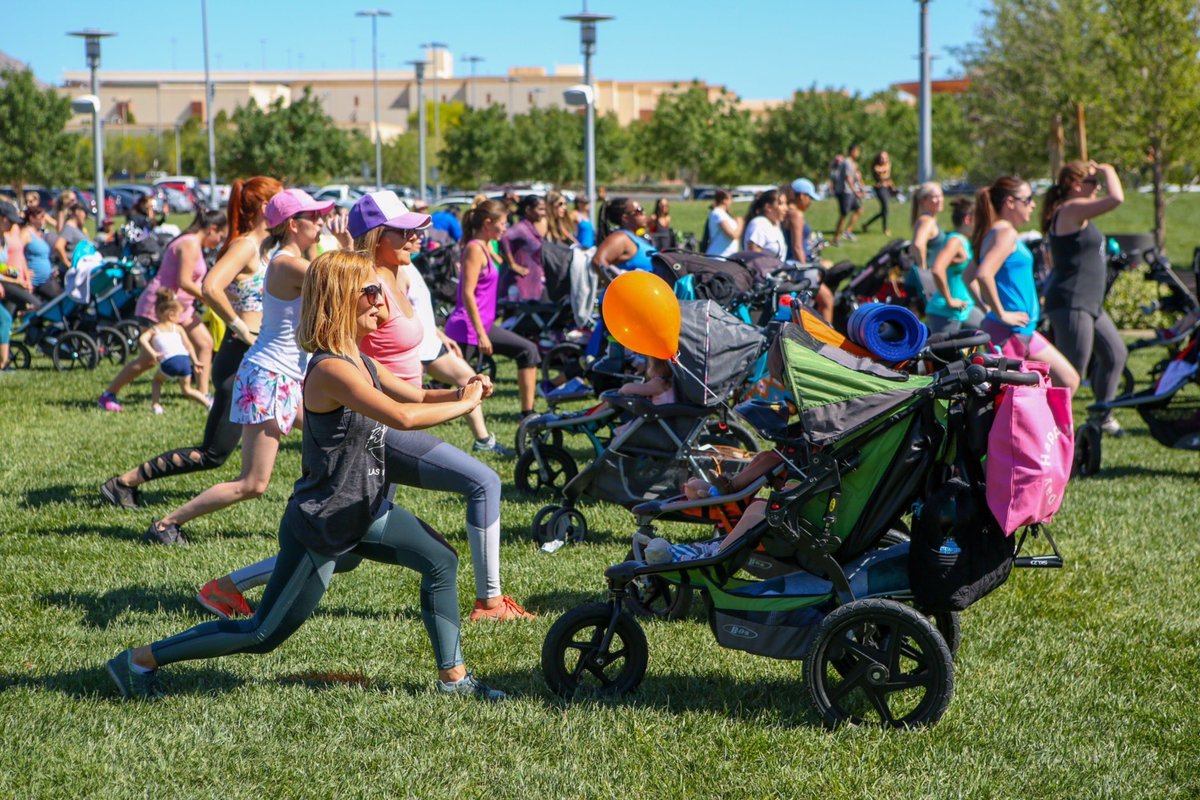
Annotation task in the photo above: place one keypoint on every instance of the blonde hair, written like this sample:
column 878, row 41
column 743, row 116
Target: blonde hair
column 924, row 192
column 558, row 228
column 368, row 243
column 329, row 301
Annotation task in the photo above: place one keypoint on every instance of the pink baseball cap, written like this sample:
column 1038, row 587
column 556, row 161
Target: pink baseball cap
column 291, row 202
column 383, row 209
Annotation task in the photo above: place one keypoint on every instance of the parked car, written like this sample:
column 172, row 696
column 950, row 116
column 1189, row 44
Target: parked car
column 178, row 201
column 338, row 192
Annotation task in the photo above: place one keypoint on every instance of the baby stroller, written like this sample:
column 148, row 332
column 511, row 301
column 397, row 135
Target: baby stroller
column 438, row 265
column 661, row 445
column 819, row 578
column 881, row 280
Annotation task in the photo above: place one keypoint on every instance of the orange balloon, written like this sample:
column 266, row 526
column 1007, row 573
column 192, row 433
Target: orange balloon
column 642, row 313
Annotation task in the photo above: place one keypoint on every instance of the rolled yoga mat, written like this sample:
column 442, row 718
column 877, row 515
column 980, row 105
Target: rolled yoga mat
column 893, row 333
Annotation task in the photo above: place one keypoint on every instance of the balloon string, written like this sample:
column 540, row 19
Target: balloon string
column 707, row 391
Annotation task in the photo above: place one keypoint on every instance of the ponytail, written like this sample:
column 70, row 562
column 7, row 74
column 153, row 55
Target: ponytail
column 1071, row 172
column 474, row 220
column 988, row 202
column 246, row 199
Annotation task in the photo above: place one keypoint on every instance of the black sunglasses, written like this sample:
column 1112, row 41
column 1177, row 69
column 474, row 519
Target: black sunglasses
column 372, row 292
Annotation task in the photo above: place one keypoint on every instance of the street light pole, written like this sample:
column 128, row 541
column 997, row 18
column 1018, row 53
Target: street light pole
column 472, row 60
column 925, row 135
column 92, row 37
column 587, row 42
column 433, row 47
column 419, row 68
column 375, row 14
column 511, row 79
column 209, row 97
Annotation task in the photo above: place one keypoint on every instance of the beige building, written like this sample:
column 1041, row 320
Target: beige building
column 159, row 101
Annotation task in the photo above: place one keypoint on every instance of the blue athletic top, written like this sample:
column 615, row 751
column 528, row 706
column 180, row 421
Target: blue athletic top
column 37, row 258
column 1016, row 286
column 585, row 234
column 641, row 259
column 937, row 305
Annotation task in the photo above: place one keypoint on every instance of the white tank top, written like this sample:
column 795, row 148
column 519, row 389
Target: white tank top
column 276, row 348
column 169, row 343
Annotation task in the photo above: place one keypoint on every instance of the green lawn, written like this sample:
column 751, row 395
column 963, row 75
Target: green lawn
column 1078, row 683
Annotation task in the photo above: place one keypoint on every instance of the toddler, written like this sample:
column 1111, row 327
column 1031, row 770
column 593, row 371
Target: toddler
column 171, row 348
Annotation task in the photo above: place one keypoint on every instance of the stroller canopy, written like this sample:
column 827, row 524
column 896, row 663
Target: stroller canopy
column 836, row 392
column 716, row 348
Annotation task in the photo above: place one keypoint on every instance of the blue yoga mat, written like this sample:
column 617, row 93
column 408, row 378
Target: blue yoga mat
column 891, row 332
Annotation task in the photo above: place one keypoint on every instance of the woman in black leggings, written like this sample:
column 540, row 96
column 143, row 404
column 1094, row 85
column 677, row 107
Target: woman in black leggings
column 233, row 289
column 338, row 505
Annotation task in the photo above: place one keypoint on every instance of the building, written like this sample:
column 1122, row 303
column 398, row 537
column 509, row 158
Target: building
column 156, row 101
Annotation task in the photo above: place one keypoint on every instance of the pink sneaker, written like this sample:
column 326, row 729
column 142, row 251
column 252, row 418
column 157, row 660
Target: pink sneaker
column 108, row 402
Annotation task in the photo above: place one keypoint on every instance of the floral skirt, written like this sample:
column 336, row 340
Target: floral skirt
column 260, row 395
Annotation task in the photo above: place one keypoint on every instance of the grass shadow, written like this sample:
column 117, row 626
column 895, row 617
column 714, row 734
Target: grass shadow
column 36, row 498
column 1135, row 471
column 88, row 681
column 561, row 601
column 101, row 610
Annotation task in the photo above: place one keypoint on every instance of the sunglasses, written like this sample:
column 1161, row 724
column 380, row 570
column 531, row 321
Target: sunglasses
column 311, row 216
column 404, row 232
column 372, row 291
column 636, row 210
column 1022, row 200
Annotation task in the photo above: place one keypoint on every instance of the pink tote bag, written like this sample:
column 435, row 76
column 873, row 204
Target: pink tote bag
column 1030, row 449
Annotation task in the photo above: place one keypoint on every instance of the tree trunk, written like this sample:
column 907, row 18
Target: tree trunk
column 1057, row 139
column 1160, row 198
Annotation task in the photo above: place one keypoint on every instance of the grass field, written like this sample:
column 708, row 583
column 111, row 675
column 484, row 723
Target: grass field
column 1078, row 683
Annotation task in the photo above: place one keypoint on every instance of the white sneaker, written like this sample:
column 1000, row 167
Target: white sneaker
column 1112, row 428
column 157, row 409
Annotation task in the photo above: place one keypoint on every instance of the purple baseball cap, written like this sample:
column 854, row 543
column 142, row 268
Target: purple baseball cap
column 291, row 202
column 384, row 209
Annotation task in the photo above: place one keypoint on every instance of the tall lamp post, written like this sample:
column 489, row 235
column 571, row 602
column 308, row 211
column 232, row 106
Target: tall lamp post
column 92, row 37
column 433, row 47
column 419, row 68
column 375, row 14
column 587, row 43
column 925, row 135
column 209, row 96
column 472, row 60
column 510, row 80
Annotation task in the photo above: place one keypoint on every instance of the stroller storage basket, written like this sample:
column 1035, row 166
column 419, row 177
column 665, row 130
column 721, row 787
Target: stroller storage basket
column 1174, row 421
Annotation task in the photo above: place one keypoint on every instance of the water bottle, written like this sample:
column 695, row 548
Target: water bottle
column 949, row 547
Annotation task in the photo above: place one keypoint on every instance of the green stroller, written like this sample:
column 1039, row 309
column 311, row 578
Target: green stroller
column 825, row 571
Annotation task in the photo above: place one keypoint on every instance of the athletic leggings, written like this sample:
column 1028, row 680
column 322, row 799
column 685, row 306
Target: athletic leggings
column 6, row 325
column 18, row 298
column 884, row 194
column 419, row 459
column 301, row 578
column 505, row 343
column 1078, row 335
column 221, row 437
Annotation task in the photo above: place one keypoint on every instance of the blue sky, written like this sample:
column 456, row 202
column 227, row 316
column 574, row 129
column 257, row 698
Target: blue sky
column 762, row 49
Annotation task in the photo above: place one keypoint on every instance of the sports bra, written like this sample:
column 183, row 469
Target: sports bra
column 246, row 294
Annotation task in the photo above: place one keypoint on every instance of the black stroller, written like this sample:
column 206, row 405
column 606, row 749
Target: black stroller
column 660, row 446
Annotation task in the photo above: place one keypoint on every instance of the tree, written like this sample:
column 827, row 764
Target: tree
column 474, row 148
column 1151, row 50
column 699, row 139
column 802, row 137
column 296, row 142
column 34, row 147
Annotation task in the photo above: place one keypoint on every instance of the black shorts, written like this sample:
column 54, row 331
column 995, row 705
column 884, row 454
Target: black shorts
column 848, row 203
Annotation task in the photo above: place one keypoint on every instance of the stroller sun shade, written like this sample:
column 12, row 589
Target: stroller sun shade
column 717, row 348
column 837, row 392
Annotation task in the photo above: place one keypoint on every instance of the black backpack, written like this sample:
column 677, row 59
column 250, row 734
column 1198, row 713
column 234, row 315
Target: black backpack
column 716, row 279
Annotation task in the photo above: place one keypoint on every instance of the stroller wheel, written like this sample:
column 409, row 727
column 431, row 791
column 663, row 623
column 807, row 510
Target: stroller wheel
column 566, row 525
column 537, row 528
column 878, row 661
column 656, row 597
column 576, row 662
column 544, row 467
column 728, row 434
column 18, row 355
column 1087, row 451
column 110, row 345
column 485, row 365
column 131, row 331
column 544, row 436
column 1128, row 384
column 74, row 349
column 949, row 625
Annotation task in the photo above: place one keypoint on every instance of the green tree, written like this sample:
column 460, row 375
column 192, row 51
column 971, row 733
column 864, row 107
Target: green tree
column 34, row 147
column 474, row 148
column 295, row 142
column 802, row 137
column 697, row 138
column 1155, row 86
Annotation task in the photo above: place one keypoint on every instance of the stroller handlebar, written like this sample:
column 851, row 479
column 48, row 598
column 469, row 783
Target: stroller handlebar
column 977, row 374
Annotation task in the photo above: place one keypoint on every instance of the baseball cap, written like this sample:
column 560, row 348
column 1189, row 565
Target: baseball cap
column 383, row 209
column 805, row 186
column 9, row 212
column 290, row 202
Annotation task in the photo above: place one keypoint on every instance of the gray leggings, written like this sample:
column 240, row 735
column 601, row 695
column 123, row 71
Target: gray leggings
column 301, row 577
column 1078, row 335
column 421, row 460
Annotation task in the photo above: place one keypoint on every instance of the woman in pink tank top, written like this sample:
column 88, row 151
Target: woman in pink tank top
column 397, row 341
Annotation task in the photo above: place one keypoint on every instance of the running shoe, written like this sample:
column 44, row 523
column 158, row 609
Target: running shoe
column 490, row 445
column 470, row 686
column 158, row 533
column 1112, row 428
column 222, row 604
column 134, row 685
column 157, row 409
column 121, row 495
column 506, row 609
column 849, row 237
column 108, row 402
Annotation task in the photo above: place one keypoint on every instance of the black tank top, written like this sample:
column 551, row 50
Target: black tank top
column 1080, row 270
column 340, row 491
